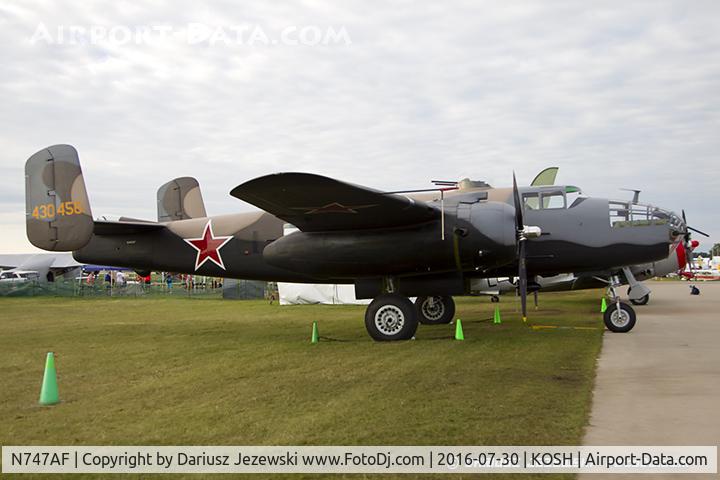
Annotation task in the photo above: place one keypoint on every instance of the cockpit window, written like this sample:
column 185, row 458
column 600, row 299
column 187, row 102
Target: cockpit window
column 544, row 200
column 531, row 201
column 553, row 200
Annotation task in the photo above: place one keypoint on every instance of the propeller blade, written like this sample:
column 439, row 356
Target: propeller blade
column 688, row 228
column 697, row 231
column 522, row 279
column 518, row 206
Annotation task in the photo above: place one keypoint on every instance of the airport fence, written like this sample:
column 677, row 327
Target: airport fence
column 237, row 289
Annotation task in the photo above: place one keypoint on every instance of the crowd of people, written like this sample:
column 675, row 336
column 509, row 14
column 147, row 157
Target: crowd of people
column 119, row 279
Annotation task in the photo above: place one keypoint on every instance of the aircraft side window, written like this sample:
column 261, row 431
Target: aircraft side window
column 572, row 199
column 553, row 200
column 544, row 200
column 531, row 201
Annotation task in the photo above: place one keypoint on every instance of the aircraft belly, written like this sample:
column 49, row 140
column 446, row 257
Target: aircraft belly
column 164, row 251
column 359, row 255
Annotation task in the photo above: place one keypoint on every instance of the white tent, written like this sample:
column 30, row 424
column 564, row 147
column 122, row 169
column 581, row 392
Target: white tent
column 327, row 294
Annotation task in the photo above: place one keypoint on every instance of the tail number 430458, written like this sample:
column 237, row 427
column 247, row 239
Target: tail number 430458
column 48, row 210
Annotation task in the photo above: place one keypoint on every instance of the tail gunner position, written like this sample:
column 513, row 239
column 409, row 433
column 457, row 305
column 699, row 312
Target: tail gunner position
column 391, row 246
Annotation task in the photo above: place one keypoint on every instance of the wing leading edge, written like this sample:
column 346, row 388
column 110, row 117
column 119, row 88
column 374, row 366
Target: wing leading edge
column 314, row 203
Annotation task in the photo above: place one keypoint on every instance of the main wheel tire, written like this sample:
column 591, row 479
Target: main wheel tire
column 494, row 299
column 435, row 310
column 620, row 320
column 641, row 301
column 391, row 317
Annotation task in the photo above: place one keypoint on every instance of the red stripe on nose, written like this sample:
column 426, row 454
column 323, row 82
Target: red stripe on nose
column 681, row 256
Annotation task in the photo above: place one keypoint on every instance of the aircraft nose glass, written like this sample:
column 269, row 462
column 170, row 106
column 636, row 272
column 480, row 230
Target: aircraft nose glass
column 624, row 213
column 675, row 222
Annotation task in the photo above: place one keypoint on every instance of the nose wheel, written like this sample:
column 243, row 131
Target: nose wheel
column 391, row 317
column 619, row 316
column 435, row 310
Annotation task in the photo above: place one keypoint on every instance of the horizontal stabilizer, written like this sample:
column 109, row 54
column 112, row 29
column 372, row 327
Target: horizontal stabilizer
column 314, row 203
column 102, row 227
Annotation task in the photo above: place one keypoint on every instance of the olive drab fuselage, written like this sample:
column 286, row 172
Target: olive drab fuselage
column 347, row 234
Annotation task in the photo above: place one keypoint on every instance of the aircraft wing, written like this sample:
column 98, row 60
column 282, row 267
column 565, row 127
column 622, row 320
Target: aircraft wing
column 314, row 203
column 38, row 261
column 12, row 260
column 64, row 261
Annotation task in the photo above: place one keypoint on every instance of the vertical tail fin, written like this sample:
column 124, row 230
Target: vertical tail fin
column 180, row 199
column 57, row 209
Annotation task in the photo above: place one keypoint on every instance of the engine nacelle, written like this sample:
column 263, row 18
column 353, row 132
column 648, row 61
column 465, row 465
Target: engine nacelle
column 490, row 232
column 482, row 236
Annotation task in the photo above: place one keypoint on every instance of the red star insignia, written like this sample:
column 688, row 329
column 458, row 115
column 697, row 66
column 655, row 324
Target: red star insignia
column 208, row 247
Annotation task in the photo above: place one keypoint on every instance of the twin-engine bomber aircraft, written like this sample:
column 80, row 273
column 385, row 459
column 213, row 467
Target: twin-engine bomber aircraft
column 391, row 246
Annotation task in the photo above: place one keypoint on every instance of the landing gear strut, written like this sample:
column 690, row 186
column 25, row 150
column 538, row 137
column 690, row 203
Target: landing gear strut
column 391, row 317
column 639, row 301
column 619, row 316
column 435, row 310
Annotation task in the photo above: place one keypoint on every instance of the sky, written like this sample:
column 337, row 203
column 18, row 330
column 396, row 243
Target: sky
column 384, row 94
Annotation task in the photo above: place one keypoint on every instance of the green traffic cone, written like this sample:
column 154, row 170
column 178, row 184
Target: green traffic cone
column 49, row 391
column 496, row 317
column 603, row 305
column 459, row 335
column 315, row 336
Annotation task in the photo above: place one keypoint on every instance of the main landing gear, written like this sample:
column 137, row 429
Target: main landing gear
column 392, row 316
column 638, row 293
column 435, row 310
column 619, row 316
column 639, row 301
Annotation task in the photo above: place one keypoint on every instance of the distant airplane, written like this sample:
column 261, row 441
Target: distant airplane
column 676, row 262
column 47, row 266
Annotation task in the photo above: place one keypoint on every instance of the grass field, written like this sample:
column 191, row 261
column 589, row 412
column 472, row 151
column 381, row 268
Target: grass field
column 213, row 372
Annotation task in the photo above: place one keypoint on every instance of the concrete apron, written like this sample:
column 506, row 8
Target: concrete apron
column 660, row 383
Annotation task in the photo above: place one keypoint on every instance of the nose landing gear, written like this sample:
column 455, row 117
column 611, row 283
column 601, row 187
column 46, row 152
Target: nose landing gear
column 619, row 316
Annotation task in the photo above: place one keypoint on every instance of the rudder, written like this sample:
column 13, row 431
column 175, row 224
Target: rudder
column 180, row 199
column 57, row 209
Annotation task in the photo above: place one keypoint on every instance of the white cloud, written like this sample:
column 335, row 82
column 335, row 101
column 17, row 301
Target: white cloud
column 617, row 94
